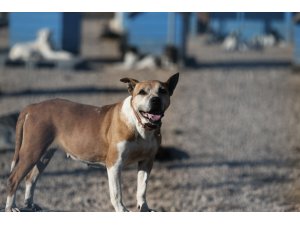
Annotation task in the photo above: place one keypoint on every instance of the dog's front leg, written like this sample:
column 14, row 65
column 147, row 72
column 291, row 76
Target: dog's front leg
column 114, row 180
column 144, row 169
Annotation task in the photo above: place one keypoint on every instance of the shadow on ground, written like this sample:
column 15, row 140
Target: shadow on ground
column 236, row 164
column 238, row 64
column 169, row 153
column 78, row 90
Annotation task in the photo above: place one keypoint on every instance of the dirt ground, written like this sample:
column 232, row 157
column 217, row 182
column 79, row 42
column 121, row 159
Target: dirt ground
column 232, row 133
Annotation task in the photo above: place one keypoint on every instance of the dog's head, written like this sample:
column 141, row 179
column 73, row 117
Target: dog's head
column 150, row 99
column 43, row 34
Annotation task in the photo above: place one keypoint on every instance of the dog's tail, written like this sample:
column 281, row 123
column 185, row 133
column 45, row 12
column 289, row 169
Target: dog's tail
column 19, row 138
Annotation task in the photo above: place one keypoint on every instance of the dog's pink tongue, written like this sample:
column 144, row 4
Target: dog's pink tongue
column 154, row 117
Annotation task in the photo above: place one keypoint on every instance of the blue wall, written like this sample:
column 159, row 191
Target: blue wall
column 71, row 37
column 149, row 31
column 65, row 28
column 296, row 60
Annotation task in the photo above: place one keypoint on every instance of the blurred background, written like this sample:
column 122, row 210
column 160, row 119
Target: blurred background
column 230, row 136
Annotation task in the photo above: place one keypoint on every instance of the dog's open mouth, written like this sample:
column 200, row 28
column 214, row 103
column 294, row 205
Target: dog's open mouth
column 154, row 118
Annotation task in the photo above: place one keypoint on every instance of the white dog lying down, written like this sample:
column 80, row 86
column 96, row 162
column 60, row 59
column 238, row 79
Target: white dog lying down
column 38, row 49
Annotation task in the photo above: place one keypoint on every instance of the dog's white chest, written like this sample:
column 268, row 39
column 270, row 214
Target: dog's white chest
column 137, row 150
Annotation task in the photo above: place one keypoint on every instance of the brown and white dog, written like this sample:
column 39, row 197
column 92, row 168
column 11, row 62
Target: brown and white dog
column 113, row 135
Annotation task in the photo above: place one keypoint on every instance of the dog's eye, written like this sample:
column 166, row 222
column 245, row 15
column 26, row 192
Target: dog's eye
column 162, row 91
column 142, row 92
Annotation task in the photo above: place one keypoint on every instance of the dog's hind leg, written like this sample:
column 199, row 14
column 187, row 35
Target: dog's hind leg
column 32, row 177
column 18, row 173
column 10, row 202
column 27, row 160
column 32, row 148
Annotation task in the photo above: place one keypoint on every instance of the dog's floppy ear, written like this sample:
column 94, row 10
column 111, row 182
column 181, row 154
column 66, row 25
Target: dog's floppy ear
column 130, row 82
column 172, row 82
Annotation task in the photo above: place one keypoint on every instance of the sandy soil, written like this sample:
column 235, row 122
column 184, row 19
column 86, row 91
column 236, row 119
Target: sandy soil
column 232, row 135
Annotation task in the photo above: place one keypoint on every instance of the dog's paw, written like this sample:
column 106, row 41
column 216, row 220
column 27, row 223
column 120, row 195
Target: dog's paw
column 122, row 209
column 144, row 208
column 33, row 207
column 152, row 210
column 14, row 209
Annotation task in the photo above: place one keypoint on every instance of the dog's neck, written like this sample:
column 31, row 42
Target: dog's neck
column 134, row 119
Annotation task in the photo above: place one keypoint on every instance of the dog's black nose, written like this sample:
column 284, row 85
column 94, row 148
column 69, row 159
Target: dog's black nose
column 155, row 101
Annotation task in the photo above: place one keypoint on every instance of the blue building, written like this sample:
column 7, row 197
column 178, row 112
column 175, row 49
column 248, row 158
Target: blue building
column 151, row 32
